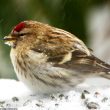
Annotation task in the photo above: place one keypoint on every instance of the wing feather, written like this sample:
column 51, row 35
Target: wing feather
column 65, row 50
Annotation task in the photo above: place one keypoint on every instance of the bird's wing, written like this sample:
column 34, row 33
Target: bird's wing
column 83, row 63
column 65, row 50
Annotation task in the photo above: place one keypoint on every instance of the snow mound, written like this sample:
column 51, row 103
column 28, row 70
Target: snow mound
column 14, row 95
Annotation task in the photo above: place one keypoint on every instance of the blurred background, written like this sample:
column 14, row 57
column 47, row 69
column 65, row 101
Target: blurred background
column 87, row 19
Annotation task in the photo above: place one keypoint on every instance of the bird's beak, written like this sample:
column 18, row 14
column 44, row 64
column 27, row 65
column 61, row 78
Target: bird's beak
column 9, row 38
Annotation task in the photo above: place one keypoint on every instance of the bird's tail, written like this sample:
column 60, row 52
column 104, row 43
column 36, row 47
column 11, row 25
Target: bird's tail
column 91, row 64
column 104, row 68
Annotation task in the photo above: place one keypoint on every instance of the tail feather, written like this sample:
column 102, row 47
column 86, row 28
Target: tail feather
column 100, row 67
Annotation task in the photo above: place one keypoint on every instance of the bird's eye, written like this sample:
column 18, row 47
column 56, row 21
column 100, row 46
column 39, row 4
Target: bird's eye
column 17, row 34
column 21, row 34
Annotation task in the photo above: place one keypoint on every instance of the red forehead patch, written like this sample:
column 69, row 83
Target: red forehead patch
column 19, row 27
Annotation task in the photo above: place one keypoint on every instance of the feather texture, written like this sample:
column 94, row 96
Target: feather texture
column 48, row 59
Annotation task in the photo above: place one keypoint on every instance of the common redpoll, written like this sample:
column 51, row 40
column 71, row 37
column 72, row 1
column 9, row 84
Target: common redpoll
column 48, row 59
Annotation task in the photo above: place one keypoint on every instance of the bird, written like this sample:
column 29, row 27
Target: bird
column 49, row 60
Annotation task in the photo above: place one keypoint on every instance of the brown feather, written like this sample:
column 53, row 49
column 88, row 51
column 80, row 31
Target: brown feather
column 82, row 63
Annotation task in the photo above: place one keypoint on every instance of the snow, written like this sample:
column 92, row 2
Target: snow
column 88, row 95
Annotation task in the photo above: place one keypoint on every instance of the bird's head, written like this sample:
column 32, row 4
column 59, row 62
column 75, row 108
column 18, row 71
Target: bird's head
column 24, row 32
